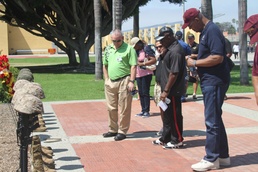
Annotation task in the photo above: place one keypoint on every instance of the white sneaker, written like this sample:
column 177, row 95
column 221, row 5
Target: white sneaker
column 224, row 161
column 157, row 142
column 204, row 165
column 170, row 145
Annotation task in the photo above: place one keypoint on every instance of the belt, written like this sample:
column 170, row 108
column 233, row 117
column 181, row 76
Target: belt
column 118, row 79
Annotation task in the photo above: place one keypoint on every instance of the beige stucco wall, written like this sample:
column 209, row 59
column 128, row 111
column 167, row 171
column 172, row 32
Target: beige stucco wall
column 20, row 39
column 3, row 38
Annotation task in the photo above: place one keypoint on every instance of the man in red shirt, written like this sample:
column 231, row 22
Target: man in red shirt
column 251, row 28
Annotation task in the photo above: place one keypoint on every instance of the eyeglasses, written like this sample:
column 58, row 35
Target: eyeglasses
column 116, row 41
column 158, row 47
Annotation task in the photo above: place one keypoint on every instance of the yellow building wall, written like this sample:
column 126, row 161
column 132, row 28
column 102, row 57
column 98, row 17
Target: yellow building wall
column 188, row 31
column 20, row 39
column 148, row 35
column 3, row 38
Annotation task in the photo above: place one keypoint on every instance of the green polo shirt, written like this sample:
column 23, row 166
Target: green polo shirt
column 119, row 61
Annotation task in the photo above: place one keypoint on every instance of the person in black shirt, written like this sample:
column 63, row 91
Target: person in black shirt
column 172, row 77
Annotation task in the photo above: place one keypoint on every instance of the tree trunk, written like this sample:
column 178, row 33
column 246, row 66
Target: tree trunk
column 98, row 43
column 206, row 9
column 114, row 14
column 119, row 14
column 84, row 57
column 71, row 56
column 242, row 16
column 136, row 27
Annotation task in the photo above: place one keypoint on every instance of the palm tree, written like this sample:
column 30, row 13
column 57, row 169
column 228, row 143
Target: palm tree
column 242, row 16
column 234, row 21
column 206, row 9
column 117, row 14
column 136, row 27
column 98, row 42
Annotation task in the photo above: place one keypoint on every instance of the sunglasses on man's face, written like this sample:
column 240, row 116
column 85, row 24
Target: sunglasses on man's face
column 116, row 41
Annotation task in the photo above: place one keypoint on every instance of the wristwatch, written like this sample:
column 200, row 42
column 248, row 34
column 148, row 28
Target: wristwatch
column 132, row 81
column 166, row 91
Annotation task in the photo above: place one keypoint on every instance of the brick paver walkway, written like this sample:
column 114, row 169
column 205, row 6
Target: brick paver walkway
column 82, row 124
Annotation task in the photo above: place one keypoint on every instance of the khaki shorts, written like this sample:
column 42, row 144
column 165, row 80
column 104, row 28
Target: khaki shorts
column 157, row 93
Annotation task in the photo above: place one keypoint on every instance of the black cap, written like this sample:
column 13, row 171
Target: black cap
column 149, row 51
column 162, row 32
column 191, row 35
column 179, row 34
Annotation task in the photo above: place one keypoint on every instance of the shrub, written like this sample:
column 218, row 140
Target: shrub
column 7, row 77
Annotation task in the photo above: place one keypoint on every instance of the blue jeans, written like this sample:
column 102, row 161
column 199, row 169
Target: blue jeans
column 144, row 91
column 216, row 137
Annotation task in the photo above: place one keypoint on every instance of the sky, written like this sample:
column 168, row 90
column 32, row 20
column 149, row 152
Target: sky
column 156, row 12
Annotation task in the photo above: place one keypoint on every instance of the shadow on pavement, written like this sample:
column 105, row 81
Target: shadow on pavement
column 71, row 167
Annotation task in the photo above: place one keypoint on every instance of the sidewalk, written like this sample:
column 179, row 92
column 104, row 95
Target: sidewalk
column 80, row 124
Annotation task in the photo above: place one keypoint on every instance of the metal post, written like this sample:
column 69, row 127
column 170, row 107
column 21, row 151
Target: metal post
column 24, row 133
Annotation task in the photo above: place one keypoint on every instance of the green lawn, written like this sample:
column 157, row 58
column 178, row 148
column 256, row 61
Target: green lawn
column 42, row 61
column 62, row 87
column 77, row 86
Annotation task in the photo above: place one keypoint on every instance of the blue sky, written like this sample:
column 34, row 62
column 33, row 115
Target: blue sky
column 156, row 12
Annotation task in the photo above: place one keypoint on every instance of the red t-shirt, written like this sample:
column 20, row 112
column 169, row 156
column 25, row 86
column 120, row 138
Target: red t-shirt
column 255, row 64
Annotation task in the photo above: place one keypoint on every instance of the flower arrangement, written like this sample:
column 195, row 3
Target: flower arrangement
column 7, row 79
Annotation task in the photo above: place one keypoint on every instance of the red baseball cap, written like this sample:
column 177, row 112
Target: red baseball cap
column 189, row 15
column 252, row 21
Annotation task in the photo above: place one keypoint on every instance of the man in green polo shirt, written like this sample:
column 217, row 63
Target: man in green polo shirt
column 119, row 69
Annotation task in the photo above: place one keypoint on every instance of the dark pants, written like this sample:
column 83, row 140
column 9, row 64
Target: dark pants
column 173, row 122
column 235, row 54
column 216, row 137
column 144, row 91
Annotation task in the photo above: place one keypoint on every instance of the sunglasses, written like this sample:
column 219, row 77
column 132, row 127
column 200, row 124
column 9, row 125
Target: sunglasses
column 158, row 47
column 116, row 41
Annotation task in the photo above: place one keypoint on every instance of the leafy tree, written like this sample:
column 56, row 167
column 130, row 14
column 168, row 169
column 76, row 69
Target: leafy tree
column 67, row 23
column 226, row 27
column 231, row 30
column 234, row 21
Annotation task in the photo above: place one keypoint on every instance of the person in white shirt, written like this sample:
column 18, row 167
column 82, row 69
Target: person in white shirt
column 235, row 50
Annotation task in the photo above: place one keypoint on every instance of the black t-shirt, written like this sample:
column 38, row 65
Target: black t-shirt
column 194, row 48
column 172, row 62
column 228, row 46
